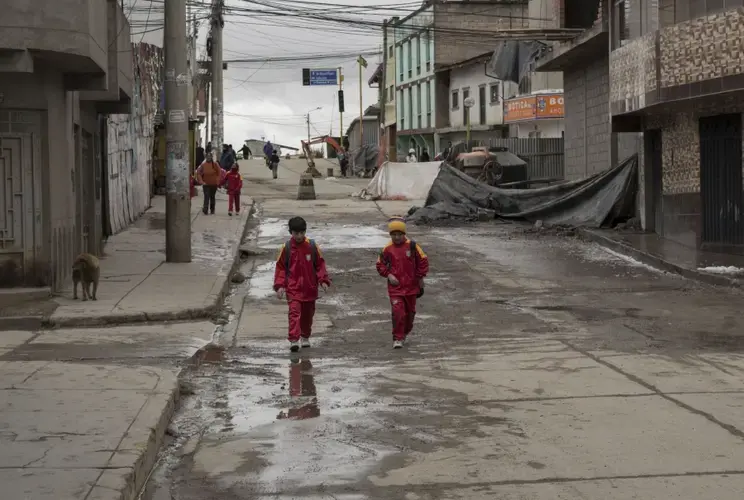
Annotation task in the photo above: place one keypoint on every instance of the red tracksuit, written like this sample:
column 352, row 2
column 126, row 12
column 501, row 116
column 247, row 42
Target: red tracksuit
column 409, row 270
column 301, row 286
column 234, row 183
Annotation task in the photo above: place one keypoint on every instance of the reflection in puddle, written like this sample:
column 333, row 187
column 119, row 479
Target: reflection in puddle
column 301, row 387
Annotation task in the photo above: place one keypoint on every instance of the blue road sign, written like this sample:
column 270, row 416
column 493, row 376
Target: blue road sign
column 319, row 76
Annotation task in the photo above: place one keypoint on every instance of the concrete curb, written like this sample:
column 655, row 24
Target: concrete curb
column 657, row 262
column 192, row 313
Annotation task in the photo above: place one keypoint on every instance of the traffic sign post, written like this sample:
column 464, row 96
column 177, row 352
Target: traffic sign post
column 313, row 77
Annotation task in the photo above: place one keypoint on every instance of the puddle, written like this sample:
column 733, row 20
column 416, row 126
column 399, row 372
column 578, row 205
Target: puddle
column 261, row 282
column 273, row 233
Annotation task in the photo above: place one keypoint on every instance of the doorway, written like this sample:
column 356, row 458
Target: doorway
column 654, row 182
column 721, row 180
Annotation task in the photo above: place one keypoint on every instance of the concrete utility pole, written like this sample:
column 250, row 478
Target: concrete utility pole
column 178, row 195
column 196, row 80
column 218, row 125
column 340, row 108
column 362, row 64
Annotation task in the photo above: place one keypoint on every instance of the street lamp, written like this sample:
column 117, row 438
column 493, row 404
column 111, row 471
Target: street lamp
column 468, row 103
column 308, row 130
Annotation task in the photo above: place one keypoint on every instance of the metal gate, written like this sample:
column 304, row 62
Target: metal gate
column 654, row 156
column 20, row 212
column 721, row 180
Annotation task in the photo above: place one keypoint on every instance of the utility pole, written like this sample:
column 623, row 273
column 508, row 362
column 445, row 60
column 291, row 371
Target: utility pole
column 362, row 64
column 218, row 124
column 308, row 132
column 196, row 81
column 341, row 106
column 207, row 102
column 178, row 195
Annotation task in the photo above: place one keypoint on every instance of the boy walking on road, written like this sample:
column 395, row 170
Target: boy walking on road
column 300, row 270
column 234, row 184
column 405, row 266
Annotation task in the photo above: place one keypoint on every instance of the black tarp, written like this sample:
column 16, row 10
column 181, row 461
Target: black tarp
column 364, row 159
column 591, row 202
column 511, row 58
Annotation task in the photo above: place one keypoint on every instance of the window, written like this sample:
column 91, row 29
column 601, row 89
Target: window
column 418, row 105
column 428, row 104
column 418, row 55
column 401, row 110
column 620, row 28
column 666, row 13
column 465, row 109
column 482, row 104
column 410, row 59
column 427, row 51
column 455, row 99
column 410, row 105
column 390, row 51
column 495, row 90
column 399, row 62
column 391, row 93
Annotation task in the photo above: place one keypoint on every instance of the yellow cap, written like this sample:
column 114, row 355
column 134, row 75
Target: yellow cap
column 396, row 224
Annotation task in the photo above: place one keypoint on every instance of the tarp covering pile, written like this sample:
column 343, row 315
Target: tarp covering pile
column 401, row 181
column 364, row 158
column 592, row 202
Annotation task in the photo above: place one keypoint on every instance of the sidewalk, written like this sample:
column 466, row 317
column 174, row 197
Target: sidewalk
column 651, row 249
column 138, row 285
column 78, row 431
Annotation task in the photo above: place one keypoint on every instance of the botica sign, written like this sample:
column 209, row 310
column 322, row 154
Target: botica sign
column 534, row 107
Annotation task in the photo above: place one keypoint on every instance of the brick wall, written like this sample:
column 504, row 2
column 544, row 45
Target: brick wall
column 633, row 72
column 587, row 145
column 456, row 23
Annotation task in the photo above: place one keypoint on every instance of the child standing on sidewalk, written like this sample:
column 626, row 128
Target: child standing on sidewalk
column 300, row 270
column 234, row 184
column 405, row 266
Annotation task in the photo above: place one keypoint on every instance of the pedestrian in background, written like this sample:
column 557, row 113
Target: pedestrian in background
column 300, row 271
column 228, row 158
column 210, row 176
column 274, row 163
column 405, row 265
column 233, row 183
column 411, row 158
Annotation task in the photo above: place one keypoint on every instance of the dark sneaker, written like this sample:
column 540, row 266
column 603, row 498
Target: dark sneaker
column 294, row 346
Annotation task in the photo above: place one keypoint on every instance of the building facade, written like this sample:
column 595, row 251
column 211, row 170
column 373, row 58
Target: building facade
column 677, row 77
column 61, row 73
column 435, row 37
column 470, row 79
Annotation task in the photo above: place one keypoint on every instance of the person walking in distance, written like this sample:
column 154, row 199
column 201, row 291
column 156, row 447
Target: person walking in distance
column 300, row 271
column 274, row 162
column 405, row 265
column 210, row 175
column 233, row 183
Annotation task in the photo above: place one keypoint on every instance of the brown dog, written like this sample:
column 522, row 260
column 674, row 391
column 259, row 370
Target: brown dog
column 85, row 270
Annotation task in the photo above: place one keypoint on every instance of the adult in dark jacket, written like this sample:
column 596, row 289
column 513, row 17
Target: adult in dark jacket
column 228, row 157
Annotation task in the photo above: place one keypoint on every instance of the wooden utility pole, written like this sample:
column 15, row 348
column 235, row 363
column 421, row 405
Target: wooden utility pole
column 218, row 124
column 178, row 188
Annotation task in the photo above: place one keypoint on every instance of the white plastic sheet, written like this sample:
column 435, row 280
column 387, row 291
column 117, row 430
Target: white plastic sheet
column 401, row 181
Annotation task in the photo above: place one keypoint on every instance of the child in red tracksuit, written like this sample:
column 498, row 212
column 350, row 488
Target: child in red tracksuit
column 300, row 271
column 405, row 266
column 234, row 184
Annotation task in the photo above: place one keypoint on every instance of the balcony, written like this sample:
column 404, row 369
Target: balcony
column 594, row 42
column 683, row 61
column 116, row 98
column 67, row 35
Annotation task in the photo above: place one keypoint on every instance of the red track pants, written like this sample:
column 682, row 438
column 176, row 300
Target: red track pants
column 300, row 319
column 233, row 201
column 404, row 311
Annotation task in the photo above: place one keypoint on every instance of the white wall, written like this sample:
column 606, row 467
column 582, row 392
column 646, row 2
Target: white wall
column 548, row 129
column 473, row 77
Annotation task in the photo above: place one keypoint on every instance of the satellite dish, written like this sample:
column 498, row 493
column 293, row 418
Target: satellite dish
column 469, row 102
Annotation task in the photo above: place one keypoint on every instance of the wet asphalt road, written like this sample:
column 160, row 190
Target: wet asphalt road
column 540, row 367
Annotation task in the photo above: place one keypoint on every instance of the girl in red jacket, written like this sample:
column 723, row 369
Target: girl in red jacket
column 300, row 270
column 234, row 184
column 405, row 266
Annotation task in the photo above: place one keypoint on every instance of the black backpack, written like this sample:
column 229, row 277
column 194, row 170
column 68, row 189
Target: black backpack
column 288, row 249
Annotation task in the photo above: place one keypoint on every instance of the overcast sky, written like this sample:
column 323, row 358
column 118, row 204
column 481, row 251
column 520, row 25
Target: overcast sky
column 269, row 99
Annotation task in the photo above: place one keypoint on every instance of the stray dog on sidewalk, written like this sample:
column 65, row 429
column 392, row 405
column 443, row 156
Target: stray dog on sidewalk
column 85, row 270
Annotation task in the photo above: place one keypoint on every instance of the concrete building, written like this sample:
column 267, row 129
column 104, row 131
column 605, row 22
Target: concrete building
column 467, row 79
column 370, row 134
column 388, row 116
column 591, row 145
column 61, row 73
column 436, row 36
column 664, row 79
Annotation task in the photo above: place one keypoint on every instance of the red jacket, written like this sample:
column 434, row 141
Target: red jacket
column 304, row 279
column 407, row 268
column 233, row 182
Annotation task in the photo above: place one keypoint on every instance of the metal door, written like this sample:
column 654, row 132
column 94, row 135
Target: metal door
column 20, row 211
column 654, row 157
column 721, row 180
column 482, row 104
